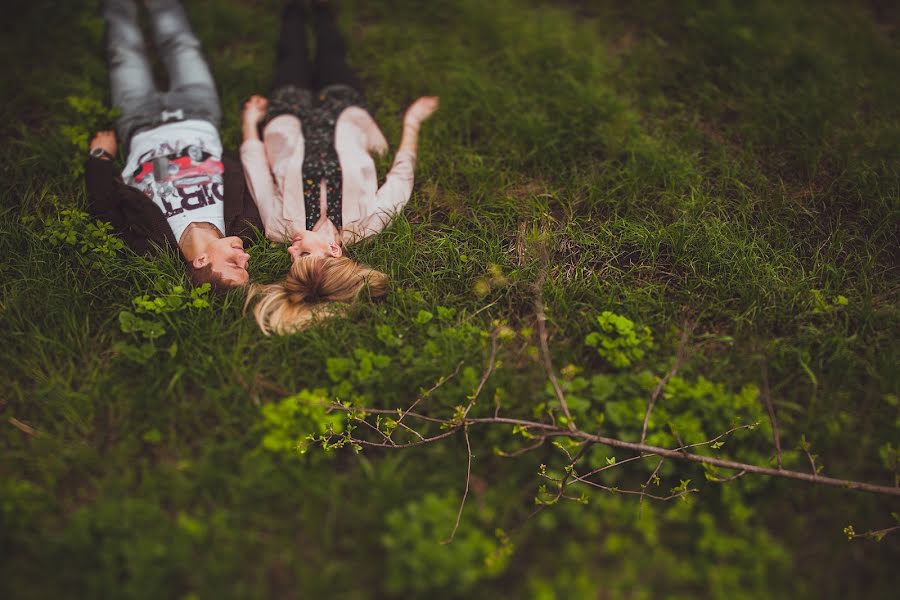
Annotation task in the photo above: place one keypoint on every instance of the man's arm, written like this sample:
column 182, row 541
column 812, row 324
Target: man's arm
column 100, row 173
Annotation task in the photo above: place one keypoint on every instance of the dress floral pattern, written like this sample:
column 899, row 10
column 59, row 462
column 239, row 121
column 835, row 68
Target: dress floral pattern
column 318, row 113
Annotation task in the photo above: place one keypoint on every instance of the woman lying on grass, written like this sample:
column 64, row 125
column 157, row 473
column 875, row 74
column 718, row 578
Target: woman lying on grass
column 317, row 189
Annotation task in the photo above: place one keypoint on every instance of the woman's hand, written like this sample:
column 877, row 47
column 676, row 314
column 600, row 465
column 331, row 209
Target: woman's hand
column 419, row 111
column 255, row 109
column 254, row 112
column 105, row 140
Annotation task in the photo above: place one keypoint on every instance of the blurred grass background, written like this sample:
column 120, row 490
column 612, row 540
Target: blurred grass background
column 729, row 164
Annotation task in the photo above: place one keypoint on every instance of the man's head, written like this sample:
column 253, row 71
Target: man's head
column 222, row 264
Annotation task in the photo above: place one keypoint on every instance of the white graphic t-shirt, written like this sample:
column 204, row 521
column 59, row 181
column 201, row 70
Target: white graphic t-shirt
column 179, row 167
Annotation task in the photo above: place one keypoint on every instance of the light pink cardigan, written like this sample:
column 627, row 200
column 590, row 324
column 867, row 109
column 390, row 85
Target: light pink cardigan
column 273, row 172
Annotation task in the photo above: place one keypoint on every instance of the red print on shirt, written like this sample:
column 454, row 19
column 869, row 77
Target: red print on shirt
column 185, row 167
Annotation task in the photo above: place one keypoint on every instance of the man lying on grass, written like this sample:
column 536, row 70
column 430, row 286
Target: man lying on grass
column 177, row 190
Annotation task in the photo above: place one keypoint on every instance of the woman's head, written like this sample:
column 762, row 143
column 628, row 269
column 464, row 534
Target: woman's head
column 311, row 287
column 324, row 242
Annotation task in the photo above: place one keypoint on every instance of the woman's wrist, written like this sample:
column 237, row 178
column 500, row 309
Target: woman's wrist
column 251, row 131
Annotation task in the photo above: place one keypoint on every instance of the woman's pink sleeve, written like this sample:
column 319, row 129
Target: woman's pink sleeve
column 390, row 197
column 262, row 186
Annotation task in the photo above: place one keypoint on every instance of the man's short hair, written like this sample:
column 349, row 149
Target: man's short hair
column 205, row 274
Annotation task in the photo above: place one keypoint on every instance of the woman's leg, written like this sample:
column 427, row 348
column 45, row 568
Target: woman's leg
column 331, row 66
column 292, row 63
column 131, row 78
column 192, row 89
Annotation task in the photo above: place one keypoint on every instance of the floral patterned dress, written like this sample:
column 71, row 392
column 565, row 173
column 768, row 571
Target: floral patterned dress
column 318, row 113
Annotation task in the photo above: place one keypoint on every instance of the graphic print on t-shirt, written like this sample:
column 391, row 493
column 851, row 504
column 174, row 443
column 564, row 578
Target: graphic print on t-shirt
column 180, row 169
column 181, row 181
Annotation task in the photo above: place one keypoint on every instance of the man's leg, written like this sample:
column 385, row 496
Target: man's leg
column 292, row 62
column 331, row 66
column 131, row 78
column 191, row 86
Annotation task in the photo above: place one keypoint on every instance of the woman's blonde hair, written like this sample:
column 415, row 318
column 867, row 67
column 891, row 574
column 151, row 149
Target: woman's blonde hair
column 311, row 287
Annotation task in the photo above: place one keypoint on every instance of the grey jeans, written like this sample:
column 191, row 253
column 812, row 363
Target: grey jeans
column 192, row 91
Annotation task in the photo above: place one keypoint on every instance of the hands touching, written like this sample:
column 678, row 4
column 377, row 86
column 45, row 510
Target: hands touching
column 106, row 141
column 254, row 112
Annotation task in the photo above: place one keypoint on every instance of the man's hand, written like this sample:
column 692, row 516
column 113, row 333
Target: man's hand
column 419, row 111
column 105, row 140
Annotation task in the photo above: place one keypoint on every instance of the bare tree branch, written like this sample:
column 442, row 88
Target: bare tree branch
column 551, row 430
column 680, row 453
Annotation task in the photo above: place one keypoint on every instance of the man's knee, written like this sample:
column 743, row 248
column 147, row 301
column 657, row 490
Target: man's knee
column 125, row 47
column 173, row 31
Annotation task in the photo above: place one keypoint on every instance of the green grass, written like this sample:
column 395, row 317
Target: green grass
column 728, row 164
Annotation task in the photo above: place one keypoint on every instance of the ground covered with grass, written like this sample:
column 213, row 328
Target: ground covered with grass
column 712, row 184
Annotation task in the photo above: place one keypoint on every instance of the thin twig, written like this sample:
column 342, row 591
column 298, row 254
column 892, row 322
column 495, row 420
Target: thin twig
column 487, row 372
column 727, row 479
column 614, row 465
column 679, row 454
column 462, row 504
column 428, row 392
column 24, row 428
column 767, row 397
column 640, row 493
column 876, row 534
column 649, row 479
column 411, row 430
column 395, row 446
column 545, row 349
column 521, row 451
column 812, row 464
column 386, row 437
column 679, row 358
column 571, row 470
column 330, row 406
column 483, row 308
column 678, row 449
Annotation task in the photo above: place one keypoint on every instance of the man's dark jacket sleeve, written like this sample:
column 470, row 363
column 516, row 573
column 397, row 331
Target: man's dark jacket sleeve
column 103, row 195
